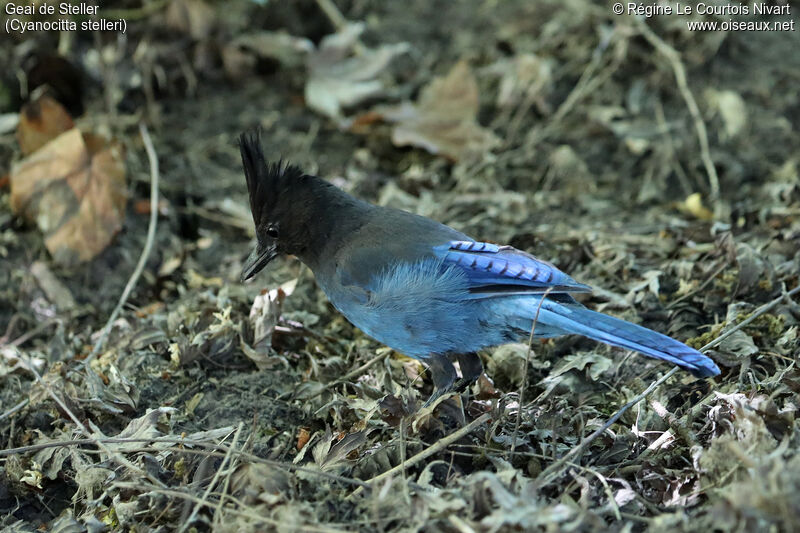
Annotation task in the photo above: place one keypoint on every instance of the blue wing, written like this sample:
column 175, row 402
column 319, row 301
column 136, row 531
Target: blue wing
column 494, row 270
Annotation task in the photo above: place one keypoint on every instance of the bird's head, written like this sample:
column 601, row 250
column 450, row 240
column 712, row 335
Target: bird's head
column 281, row 212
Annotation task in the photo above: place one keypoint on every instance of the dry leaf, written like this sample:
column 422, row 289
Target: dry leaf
column 266, row 310
column 74, row 188
column 41, row 121
column 191, row 16
column 332, row 452
column 444, row 119
column 142, row 429
column 266, row 482
column 524, row 77
column 731, row 108
column 240, row 56
column 693, row 205
column 264, row 315
column 339, row 79
column 302, row 438
column 739, row 343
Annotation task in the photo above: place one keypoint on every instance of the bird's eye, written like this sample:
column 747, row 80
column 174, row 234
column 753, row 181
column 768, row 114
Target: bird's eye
column 272, row 231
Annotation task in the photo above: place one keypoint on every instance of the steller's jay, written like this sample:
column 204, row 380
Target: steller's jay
column 423, row 288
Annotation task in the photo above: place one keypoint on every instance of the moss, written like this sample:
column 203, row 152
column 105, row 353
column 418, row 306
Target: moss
column 766, row 325
column 703, row 339
column 110, row 518
column 727, row 280
column 180, row 467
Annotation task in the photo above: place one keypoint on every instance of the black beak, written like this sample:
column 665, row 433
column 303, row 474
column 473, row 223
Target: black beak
column 257, row 260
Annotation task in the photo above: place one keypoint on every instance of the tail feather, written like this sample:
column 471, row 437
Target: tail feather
column 618, row 332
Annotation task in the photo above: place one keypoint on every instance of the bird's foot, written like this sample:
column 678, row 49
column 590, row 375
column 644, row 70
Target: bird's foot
column 434, row 397
column 471, row 369
column 443, row 375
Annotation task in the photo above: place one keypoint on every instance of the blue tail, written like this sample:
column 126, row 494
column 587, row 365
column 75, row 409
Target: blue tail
column 574, row 318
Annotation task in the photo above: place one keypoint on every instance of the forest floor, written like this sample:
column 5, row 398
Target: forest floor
column 659, row 165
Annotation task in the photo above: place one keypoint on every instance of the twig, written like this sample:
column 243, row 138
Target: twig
column 339, row 22
column 587, row 84
column 427, row 452
column 757, row 313
column 702, row 286
column 10, row 328
column 14, row 409
column 675, row 424
column 148, row 245
column 551, row 471
column 214, row 480
column 525, row 371
column 680, row 77
column 360, row 370
column 612, row 503
column 333, row 14
column 28, row 335
column 184, row 448
column 243, row 513
column 64, row 407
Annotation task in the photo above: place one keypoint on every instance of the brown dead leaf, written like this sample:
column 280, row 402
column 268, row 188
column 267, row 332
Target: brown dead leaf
column 394, row 409
column 338, row 79
column 444, row 119
column 302, row 438
column 142, row 206
column 74, row 189
column 332, row 452
column 40, row 121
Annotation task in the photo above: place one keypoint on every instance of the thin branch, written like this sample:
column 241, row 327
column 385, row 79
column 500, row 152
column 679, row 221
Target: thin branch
column 148, row 245
column 184, row 448
column 64, row 407
column 680, row 77
column 244, row 512
column 14, row 409
column 210, row 487
column 334, row 15
column 427, row 452
column 28, row 335
column 339, row 22
column 360, row 370
column 551, row 471
column 525, row 371
column 757, row 313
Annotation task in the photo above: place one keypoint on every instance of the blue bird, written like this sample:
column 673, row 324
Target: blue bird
column 423, row 288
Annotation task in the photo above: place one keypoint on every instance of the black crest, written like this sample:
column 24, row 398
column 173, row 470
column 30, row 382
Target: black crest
column 265, row 181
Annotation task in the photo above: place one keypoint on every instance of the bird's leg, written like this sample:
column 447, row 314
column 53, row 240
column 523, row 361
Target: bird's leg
column 443, row 374
column 471, row 369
